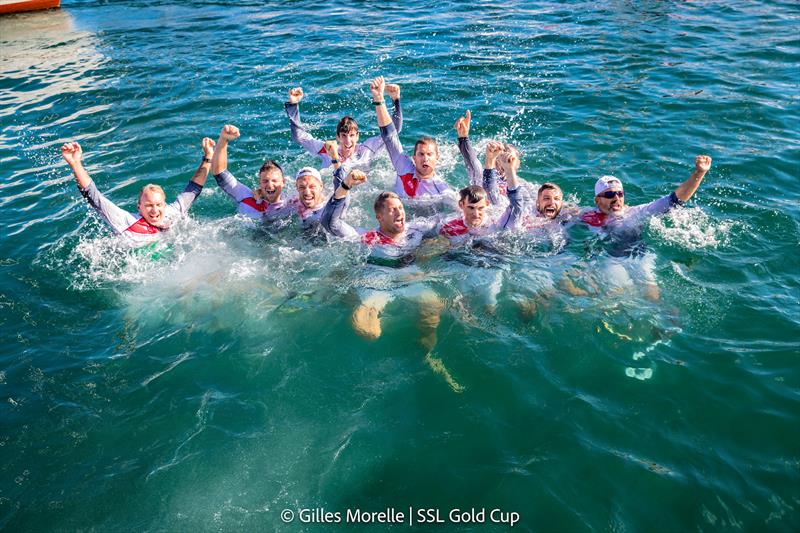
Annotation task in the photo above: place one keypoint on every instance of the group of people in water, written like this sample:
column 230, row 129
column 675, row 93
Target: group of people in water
column 495, row 201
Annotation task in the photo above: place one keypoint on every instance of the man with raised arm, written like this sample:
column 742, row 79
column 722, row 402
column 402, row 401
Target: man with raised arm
column 613, row 215
column 391, row 243
column 351, row 154
column 267, row 200
column 474, row 199
column 416, row 177
column 621, row 226
column 155, row 215
column 471, row 162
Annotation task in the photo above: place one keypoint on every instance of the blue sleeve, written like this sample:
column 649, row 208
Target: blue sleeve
column 474, row 169
column 299, row 133
column 658, row 207
column 187, row 197
column 395, row 149
column 331, row 218
column 397, row 115
column 490, row 184
column 516, row 199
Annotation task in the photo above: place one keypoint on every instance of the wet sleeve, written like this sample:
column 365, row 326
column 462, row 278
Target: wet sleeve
column 516, row 203
column 402, row 163
column 331, row 219
column 490, row 185
column 397, row 115
column 658, row 207
column 299, row 134
column 474, row 168
column 371, row 148
column 186, row 198
column 375, row 144
column 338, row 177
column 228, row 183
column 116, row 217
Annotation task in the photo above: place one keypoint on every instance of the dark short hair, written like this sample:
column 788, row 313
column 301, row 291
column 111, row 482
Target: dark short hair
column 268, row 165
column 549, row 185
column 382, row 198
column 426, row 140
column 346, row 125
column 473, row 194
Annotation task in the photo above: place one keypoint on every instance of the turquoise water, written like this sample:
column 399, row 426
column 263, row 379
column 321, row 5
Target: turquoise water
column 219, row 383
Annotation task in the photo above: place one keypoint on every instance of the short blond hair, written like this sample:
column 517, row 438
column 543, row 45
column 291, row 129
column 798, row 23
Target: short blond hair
column 151, row 187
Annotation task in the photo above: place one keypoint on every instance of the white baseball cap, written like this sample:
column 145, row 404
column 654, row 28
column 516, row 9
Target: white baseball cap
column 308, row 171
column 605, row 183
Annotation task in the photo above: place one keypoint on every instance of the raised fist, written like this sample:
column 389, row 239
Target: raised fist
column 295, row 95
column 508, row 161
column 377, row 87
column 332, row 149
column 393, row 90
column 72, row 153
column 208, row 147
column 494, row 149
column 462, row 125
column 356, row 177
column 702, row 163
column 229, row 132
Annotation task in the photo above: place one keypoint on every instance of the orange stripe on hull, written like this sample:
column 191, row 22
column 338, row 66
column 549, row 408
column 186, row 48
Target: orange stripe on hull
column 30, row 5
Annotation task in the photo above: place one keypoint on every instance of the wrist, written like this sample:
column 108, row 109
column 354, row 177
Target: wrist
column 345, row 186
column 377, row 101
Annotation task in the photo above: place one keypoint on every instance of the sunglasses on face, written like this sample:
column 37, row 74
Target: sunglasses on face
column 612, row 194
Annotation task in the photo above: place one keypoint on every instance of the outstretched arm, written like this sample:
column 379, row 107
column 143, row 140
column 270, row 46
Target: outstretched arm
column 388, row 131
column 333, row 213
column 393, row 90
column 219, row 161
column 493, row 150
column 377, row 88
column 375, row 144
column 116, row 217
column 193, row 189
column 516, row 196
column 201, row 174
column 332, row 147
column 702, row 163
column 73, row 155
column 467, row 152
column 299, row 133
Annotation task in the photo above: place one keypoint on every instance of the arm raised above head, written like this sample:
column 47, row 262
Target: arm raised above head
column 219, row 161
column 393, row 90
column 332, row 218
column 702, row 164
column 299, row 133
column 201, row 174
column 73, row 155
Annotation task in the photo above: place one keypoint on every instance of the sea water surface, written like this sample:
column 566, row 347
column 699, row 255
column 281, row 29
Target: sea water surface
column 217, row 382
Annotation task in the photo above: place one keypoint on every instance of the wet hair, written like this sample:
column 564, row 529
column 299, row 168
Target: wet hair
column 473, row 194
column 548, row 186
column 346, row 125
column 382, row 198
column 150, row 187
column 426, row 140
column 268, row 165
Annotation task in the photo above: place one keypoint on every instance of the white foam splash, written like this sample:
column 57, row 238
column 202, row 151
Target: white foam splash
column 691, row 229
